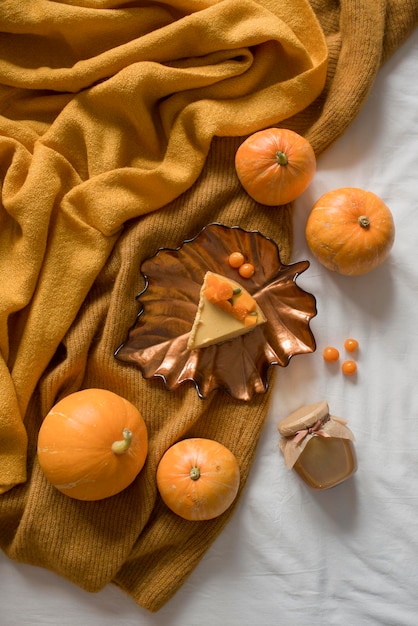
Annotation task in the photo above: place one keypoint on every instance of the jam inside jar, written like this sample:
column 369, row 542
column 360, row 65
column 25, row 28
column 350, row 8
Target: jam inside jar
column 318, row 446
column 326, row 462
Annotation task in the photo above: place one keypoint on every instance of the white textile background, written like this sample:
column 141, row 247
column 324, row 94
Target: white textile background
column 292, row 556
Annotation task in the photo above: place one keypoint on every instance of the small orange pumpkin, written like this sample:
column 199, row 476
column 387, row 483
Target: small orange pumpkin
column 92, row 444
column 275, row 165
column 198, row 479
column 350, row 231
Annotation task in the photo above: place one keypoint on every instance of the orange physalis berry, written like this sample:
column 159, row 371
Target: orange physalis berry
column 330, row 354
column 246, row 270
column 349, row 368
column 351, row 345
column 239, row 312
column 225, row 291
column 236, row 259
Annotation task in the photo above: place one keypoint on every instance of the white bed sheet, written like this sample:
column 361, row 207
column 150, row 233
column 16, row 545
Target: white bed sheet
column 292, row 556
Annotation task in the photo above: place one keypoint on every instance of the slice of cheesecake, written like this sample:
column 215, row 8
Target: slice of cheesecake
column 226, row 310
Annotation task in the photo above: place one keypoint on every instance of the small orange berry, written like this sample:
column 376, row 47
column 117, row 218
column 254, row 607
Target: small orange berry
column 236, row 259
column 349, row 368
column 351, row 345
column 330, row 354
column 246, row 270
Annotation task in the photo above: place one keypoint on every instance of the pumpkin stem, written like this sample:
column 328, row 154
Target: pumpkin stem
column 194, row 473
column 364, row 221
column 281, row 158
column 119, row 447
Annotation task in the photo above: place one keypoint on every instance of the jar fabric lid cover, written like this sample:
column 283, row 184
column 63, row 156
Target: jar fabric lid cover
column 304, row 417
column 311, row 420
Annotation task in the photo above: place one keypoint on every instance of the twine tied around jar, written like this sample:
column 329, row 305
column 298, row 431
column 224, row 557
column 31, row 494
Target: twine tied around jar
column 315, row 429
column 293, row 444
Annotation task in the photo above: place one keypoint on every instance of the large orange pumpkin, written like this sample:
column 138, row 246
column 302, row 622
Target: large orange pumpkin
column 350, row 230
column 92, row 444
column 275, row 165
column 198, row 479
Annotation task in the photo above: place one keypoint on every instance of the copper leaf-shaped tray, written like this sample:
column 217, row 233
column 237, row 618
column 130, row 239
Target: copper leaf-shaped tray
column 157, row 343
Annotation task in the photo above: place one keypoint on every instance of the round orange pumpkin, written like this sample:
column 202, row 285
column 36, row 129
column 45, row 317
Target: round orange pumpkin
column 198, row 479
column 275, row 165
column 350, row 231
column 92, row 444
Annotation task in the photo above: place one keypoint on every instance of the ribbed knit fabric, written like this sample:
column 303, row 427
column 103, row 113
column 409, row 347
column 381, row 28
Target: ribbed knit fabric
column 132, row 539
column 107, row 114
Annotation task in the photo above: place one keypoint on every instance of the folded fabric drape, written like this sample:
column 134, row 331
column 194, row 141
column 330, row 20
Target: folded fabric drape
column 119, row 123
column 107, row 114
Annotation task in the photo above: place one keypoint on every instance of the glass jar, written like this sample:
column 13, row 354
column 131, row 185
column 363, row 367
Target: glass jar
column 318, row 446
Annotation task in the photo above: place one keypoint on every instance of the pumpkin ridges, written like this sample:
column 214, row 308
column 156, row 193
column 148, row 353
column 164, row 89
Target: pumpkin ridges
column 263, row 178
column 99, row 462
column 75, row 452
column 212, row 493
column 336, row 238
